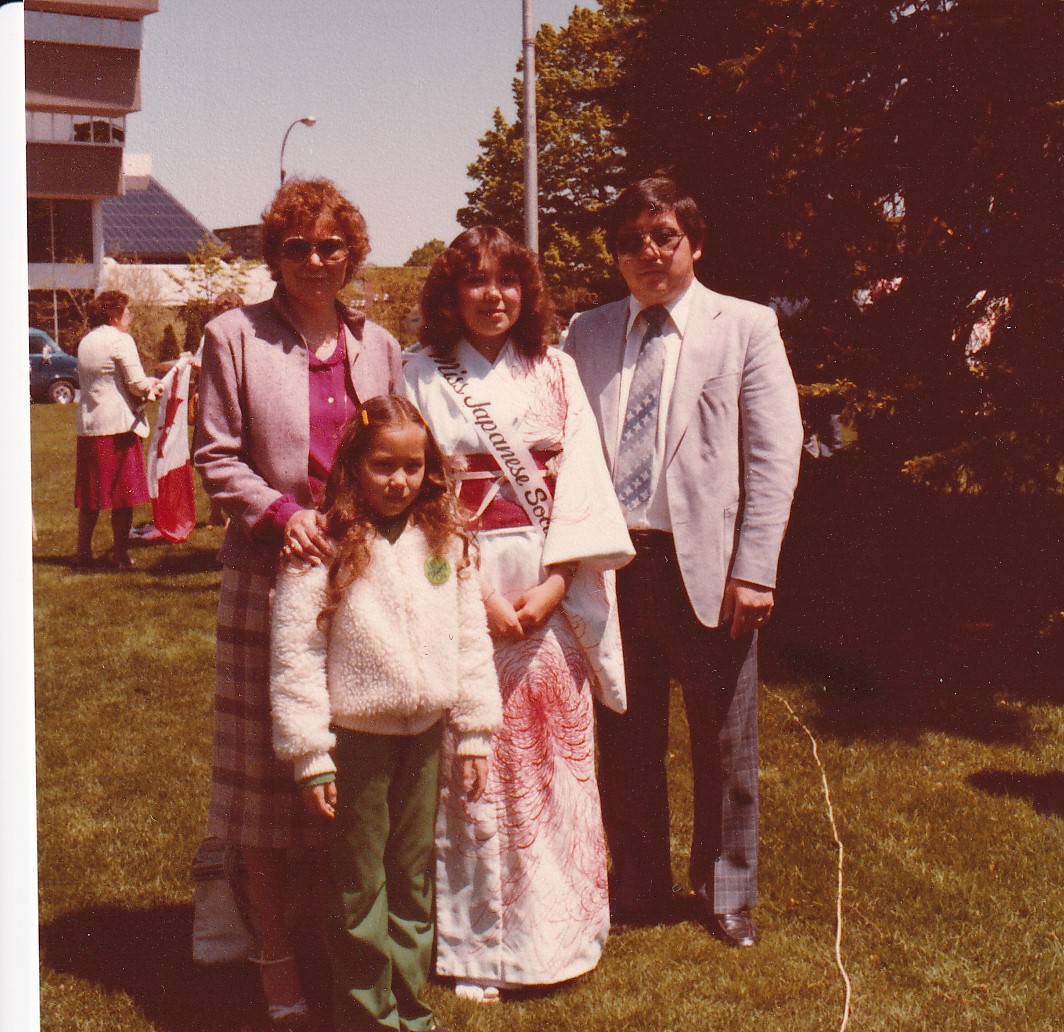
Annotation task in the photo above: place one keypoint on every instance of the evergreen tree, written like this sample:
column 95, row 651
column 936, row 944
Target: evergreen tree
column 168, row 349
column 907, row 153
column 422, row 257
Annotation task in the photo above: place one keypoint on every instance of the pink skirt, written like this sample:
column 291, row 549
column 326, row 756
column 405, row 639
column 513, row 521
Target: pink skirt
column 110, row 472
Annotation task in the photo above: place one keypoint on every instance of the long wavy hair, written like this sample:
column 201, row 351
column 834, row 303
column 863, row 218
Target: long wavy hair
column 352, row 524
column 469, row 251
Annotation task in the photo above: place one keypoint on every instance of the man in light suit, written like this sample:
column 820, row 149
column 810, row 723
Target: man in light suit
column 699, row 418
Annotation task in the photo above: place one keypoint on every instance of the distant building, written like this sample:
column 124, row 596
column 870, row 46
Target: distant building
column 243, row 241
column 148, row 235
column 146, row 223
column 82, row 80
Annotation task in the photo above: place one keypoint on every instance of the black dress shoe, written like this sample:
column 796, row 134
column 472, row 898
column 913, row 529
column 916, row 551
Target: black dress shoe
column 735, row 930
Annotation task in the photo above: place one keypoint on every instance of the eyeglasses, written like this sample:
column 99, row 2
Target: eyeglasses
column 299, row 249
column 631, row 241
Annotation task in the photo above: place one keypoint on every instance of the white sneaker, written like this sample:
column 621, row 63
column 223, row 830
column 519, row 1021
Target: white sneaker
column 477, row 990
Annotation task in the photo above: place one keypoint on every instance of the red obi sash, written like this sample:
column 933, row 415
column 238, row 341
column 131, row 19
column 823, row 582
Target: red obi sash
column 473, row 489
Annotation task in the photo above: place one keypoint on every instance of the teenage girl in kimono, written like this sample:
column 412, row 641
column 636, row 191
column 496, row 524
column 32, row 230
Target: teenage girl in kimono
column 521, row 872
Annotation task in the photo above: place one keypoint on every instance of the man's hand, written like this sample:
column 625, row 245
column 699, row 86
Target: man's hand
column 304, row 537
column 474, row 774
column 747, row 605
column 320, row 800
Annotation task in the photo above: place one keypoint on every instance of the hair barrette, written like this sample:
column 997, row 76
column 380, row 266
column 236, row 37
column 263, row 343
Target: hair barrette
column 365, row 418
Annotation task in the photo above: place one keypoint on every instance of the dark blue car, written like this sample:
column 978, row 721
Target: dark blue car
column 53, row 373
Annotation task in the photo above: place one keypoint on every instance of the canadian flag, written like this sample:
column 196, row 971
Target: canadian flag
column 173, row 499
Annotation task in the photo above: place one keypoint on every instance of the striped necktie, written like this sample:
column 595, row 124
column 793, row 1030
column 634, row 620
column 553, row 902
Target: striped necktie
column 635, row 457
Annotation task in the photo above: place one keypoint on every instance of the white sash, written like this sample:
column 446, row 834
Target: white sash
column 590, row 603
column 513, row 457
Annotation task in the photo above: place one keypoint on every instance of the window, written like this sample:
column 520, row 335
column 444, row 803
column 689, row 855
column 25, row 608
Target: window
column 55, row 127
column 59, row 231
column 49, row 27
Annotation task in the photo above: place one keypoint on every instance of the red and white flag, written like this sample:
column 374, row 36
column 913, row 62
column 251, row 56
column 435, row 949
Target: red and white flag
column 173, row 499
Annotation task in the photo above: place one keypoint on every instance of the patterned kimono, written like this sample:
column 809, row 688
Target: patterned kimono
column 521, row 874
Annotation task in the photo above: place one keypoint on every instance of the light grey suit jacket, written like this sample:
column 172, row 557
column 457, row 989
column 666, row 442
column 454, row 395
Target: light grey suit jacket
column 252, row 440
column 733, row 436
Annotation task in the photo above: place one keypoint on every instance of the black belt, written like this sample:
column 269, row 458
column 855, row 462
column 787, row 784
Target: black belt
column 651, row 538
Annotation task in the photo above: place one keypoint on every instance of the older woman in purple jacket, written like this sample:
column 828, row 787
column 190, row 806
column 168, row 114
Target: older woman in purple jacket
column 279, row 382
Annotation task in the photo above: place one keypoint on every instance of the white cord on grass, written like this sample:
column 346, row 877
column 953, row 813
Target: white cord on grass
column 838, row 843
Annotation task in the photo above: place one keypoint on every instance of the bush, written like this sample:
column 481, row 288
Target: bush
column 168, row 347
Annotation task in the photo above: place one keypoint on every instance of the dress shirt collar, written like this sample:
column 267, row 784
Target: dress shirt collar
column 677, row 308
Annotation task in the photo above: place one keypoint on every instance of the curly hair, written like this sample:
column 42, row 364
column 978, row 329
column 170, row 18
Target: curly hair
column 106, row 306
column 351, row 523
column 300, row 203
column 472, row 250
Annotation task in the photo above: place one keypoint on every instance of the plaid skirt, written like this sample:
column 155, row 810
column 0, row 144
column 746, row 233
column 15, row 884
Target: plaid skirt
column 254, row 800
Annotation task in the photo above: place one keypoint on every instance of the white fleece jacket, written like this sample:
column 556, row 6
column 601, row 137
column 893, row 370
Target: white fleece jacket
column 408, row 643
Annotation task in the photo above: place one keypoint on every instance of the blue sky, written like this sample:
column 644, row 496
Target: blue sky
column 402, row 90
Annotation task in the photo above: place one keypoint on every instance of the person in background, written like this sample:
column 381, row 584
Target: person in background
column 224, row 302
column 698, row 413
column 280, row 380
column 521, row 888
column 371, row 655
column 110, row 472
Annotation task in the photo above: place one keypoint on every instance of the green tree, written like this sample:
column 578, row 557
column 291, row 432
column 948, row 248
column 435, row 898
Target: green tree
column 907, row 152
column 389, row 296
column 65, row 307
column 209, row 272
column 580, row 159
column 168, row 347
column 422, row 257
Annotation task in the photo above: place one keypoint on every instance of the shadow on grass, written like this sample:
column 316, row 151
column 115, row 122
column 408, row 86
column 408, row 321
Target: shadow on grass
column 154, row 560
column 147, row 954
column 1045, row 792
column 916, row 612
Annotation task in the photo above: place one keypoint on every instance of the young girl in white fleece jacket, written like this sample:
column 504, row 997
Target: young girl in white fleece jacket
column 370, row 654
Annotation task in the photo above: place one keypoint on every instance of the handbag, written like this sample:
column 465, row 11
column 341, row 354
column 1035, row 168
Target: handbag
column 220, row 933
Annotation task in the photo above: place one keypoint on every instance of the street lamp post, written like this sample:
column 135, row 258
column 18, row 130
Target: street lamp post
column 308, row 120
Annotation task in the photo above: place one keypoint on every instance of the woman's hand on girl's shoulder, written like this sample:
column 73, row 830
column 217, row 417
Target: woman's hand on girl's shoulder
column 305, row 538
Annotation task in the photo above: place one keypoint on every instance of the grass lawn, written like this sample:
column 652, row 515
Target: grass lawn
column 946, row 769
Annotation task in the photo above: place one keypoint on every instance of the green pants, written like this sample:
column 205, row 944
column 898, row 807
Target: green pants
column 382, row 859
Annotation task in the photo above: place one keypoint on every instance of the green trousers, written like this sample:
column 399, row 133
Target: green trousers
column 382, row 860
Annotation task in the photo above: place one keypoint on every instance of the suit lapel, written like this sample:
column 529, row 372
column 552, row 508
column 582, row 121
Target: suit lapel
column 604, row 384
column 695, row 352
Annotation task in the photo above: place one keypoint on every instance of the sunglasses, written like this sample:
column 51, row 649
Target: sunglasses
column 299, row 249
column 632, row 242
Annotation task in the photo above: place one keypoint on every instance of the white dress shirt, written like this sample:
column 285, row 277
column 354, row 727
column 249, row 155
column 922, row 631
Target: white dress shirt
column 654, row 515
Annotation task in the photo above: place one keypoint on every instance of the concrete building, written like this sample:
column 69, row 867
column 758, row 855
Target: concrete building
column 82, row 80
column 244, row 241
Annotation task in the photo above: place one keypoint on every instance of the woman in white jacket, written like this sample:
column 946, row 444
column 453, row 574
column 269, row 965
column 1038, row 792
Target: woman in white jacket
column 110, row 461
column 370, row 654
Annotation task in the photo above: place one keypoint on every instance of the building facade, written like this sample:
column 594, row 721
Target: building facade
column 82, row 80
